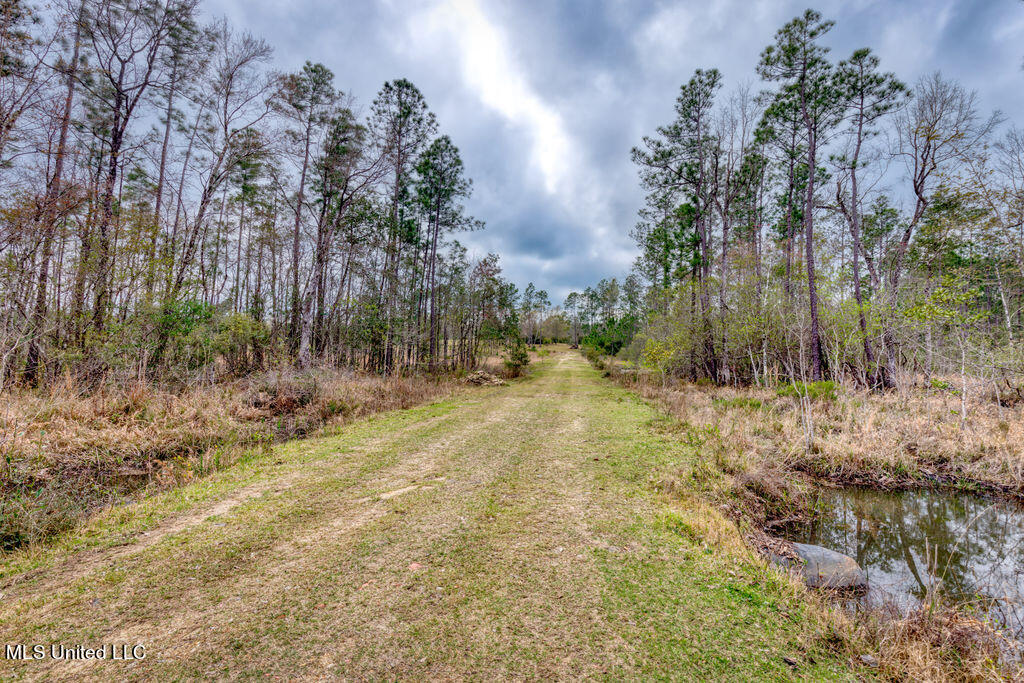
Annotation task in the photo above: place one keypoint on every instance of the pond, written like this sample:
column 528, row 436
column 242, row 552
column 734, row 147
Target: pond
column 969, row 548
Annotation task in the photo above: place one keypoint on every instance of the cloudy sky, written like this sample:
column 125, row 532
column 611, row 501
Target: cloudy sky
column 545, row 98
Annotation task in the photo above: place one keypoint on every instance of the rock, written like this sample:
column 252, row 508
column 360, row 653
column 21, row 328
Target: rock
column 824, row 568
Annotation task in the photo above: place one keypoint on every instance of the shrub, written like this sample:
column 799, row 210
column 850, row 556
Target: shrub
column 242, row 341
column 738, row 402
column 592, row 354
column 516, row 356
column 612, row 335
column 183, row 333
column 813, row 390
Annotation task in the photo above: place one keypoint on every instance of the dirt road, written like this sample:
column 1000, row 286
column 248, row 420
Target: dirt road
column 511, row 532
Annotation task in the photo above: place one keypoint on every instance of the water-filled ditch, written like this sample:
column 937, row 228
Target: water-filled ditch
column 912, row 542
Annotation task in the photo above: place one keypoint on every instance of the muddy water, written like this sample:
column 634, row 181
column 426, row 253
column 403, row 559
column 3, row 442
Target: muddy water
column 969, row 548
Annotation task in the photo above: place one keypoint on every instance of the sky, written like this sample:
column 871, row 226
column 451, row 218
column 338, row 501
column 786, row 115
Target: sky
column 545, row 98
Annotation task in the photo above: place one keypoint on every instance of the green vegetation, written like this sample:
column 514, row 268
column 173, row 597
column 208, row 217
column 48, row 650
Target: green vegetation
column 266, row 222
column 611, row 335
column 816, row 391
column 507, row 532
column 516, row 356
column 738, row 402
column 836, row 226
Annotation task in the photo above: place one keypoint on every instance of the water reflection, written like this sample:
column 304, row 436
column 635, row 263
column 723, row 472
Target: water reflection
column 970, row 548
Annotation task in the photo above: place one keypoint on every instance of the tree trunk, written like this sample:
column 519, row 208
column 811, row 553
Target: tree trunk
column 295, row 332
column 812, row 288
column 49, row 215
column 103, row 264
column 433, row 286
column 161, row 174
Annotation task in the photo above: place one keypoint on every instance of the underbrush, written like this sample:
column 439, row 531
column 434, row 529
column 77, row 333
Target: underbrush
column 758, row 451
column 891, row 440
column 66, row 452
column 937, row 642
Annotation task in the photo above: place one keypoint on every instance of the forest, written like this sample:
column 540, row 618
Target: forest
column 173, row 205
column 836, row 224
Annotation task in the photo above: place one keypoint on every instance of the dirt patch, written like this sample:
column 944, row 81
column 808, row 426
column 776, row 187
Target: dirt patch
column 397, row 492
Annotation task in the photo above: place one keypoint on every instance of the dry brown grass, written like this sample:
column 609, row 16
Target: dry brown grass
column 884, row 440
column 931, row 644
column 938, row 643
column 64, row 453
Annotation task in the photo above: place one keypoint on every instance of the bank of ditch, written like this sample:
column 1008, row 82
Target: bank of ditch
column 67, row 451
column 895, row 440
column 766, row 453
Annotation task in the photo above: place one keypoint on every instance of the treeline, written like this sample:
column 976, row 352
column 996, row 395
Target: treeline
column 604, row 316
column 838, row 224
column 171, row 205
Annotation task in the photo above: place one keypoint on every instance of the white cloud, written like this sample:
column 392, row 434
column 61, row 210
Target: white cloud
column 489, row 69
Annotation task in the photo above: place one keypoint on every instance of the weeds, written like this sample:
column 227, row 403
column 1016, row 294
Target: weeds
column 937, row 642
column 815, row 391
column 68, row 452
column 737, row 402
column 892, row 440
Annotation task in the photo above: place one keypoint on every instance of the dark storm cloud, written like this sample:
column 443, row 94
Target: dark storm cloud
column 545, row 98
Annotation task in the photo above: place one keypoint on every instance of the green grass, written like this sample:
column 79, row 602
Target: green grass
column 816, row 391
column 738, row 402
column 513, row 532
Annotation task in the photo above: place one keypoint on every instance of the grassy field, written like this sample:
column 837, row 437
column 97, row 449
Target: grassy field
column 512, row 532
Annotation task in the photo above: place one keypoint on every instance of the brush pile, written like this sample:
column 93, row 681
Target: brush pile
column 482, row 378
